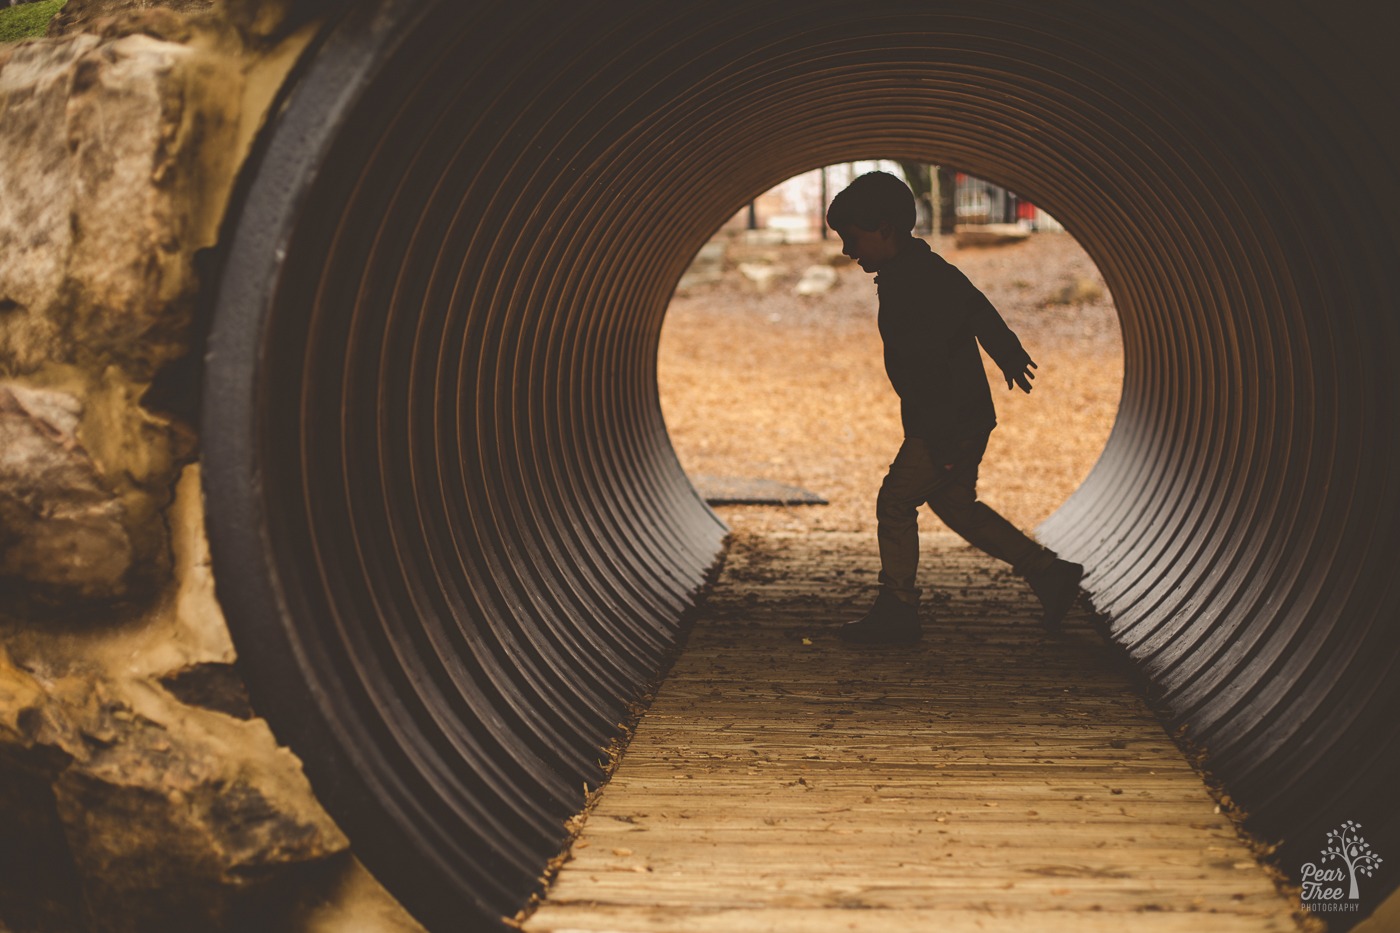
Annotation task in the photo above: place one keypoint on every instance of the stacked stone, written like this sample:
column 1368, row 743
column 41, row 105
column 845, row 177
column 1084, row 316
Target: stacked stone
column 137, row 789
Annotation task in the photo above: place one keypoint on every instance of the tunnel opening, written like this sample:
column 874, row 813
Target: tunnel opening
column 452, row 540
column 770, row 365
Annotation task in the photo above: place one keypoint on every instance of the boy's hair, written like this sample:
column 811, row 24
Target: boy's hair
column 872, row 199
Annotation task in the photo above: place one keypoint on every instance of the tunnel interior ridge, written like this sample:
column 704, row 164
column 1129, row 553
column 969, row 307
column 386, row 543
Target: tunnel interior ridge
column 450, row 535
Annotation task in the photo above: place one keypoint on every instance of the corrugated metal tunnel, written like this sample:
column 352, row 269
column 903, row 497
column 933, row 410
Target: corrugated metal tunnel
column 450, row 534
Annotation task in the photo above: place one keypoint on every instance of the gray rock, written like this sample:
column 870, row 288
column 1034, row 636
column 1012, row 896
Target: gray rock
column 1082, row 290
column 761, row 274
column 973, row 235
column 706, row 268
column 815, row 280
column 173, row 817
column 106, row 152
column 61, row 529
column 115, row 158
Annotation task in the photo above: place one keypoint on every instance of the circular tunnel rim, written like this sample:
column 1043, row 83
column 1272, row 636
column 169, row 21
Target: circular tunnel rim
column 1188, row 645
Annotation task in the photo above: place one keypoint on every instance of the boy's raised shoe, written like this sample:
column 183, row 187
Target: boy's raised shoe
column 1057, row 586
column 891, row 621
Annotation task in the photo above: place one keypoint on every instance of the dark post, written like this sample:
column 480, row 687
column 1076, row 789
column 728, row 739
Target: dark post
column 935, row 200
column 947, row 200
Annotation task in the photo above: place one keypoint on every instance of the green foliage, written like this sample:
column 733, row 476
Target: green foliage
column 28, row 19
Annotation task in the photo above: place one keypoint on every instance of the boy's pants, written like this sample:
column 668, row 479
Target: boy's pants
column 914, row 479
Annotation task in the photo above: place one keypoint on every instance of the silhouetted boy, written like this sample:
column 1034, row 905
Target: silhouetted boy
column 931, row 320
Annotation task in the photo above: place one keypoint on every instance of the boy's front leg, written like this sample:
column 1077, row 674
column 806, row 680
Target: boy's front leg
column 894, row 619
column 898, row 537
column 906, row 486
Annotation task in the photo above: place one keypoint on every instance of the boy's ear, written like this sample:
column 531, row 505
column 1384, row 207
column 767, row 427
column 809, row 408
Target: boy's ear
column 886, row 229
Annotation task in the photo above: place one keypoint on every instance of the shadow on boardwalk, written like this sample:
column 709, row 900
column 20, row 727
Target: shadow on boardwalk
column 991, row 777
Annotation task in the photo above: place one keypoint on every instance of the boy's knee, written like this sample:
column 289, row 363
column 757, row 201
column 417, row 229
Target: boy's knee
column 955, row 505
column 890, row 503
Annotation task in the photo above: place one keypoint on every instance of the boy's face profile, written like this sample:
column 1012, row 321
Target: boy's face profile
column 871, row 249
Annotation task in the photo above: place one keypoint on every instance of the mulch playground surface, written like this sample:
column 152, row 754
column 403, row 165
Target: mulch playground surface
column 763, row 383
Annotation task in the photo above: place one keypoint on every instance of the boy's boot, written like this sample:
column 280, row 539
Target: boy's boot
column 1058, row 587
column 891, row 621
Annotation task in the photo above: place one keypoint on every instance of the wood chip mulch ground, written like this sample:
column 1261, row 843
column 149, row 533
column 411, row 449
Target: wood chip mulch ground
column 761, row 382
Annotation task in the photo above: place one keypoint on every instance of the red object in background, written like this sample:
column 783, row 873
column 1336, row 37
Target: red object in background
column 1025, row 211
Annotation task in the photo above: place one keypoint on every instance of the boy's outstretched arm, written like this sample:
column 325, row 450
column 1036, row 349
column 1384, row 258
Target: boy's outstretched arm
column 967, row 306
column 1001, row 344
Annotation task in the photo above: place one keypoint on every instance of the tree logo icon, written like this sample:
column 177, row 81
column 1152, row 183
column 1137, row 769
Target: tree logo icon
column 1323, row 883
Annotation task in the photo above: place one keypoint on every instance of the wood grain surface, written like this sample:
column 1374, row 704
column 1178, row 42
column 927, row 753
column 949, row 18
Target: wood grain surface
column 992, row 777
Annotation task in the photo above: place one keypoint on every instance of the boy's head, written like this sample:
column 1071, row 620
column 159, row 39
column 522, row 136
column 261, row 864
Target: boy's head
column 872, row 199
column 873, row 216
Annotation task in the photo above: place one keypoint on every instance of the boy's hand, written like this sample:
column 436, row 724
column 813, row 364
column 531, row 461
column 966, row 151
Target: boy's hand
column 1022, row 377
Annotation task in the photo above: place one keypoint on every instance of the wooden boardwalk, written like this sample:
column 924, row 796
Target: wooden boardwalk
column 990, row 778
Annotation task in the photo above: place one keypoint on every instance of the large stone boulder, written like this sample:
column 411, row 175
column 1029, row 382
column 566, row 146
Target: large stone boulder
column 138, row 790
column 174, row 817
column 107, row 148
column 115, row 159
column 61, row 528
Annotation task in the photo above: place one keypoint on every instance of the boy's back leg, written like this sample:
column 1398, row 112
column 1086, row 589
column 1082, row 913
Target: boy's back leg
column 1054, row 581
column 956, row 503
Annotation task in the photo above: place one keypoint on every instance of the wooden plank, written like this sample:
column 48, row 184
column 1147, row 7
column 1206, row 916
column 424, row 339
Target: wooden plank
column 991, row 777
column 859, row 919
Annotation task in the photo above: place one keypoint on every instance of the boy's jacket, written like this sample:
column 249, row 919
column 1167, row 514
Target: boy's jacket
column 931, row 320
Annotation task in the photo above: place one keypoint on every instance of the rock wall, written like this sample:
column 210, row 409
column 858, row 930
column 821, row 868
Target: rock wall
column 138, row 791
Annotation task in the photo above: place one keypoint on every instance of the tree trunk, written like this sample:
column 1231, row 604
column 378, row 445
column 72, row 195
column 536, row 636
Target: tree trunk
column 920, row 181
column 947, row 200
